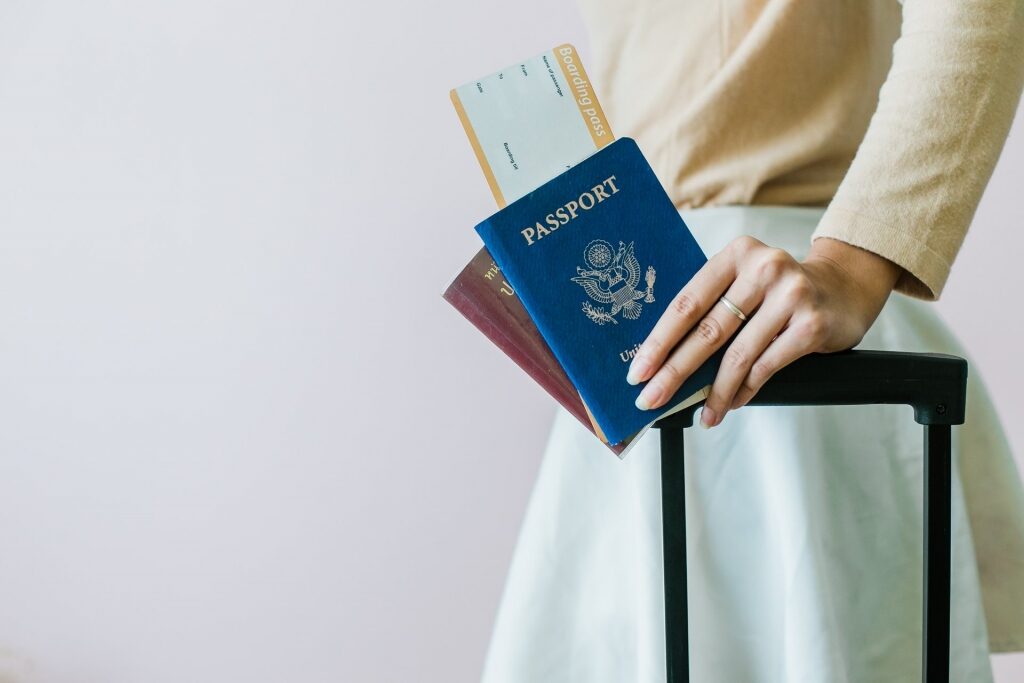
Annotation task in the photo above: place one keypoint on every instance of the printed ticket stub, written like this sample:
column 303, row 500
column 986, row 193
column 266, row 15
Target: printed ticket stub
column 531, row 121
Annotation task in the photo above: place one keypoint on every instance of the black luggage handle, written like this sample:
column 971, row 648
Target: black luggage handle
column 935, row 385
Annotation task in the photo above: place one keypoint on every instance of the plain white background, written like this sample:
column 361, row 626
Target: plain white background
column 241, row 435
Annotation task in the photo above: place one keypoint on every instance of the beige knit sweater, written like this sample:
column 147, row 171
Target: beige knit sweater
column 895, row 122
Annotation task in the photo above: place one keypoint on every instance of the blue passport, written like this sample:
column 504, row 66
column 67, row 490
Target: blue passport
column 596, row 255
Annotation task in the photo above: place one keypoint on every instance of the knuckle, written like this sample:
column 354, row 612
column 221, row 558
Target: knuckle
column 760, row 372
column 670, row 377
column 773, row 264
column 813, row 326
column 798, row 290
column 709, row 331
column 651, row 348
column 736, row 356
column 744, row 244
column 685, row 305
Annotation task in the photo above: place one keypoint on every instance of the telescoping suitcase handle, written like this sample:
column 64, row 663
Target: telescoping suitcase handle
column 935, row 385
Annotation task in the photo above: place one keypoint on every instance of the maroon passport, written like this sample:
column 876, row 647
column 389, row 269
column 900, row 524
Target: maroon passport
column 482, row 295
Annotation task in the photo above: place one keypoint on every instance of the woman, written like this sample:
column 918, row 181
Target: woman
column 804, row 523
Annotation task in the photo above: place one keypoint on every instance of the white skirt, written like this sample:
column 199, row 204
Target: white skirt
column 804, row 533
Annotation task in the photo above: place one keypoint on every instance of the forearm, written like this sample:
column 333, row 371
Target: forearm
column 941, row 121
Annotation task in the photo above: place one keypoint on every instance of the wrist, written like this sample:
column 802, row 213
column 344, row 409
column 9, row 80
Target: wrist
column 869, row 276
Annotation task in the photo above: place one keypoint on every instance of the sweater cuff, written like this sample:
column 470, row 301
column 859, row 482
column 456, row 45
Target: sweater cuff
column 924, row 270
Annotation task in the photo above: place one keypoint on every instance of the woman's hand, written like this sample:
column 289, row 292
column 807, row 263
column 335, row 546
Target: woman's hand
column 825, row 303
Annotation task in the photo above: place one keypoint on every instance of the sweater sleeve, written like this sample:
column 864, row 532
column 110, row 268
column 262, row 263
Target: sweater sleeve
column 942, row 117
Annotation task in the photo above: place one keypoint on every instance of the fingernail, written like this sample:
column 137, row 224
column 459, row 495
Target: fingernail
column 707, row 417
column 648, row 397
column 637, row 369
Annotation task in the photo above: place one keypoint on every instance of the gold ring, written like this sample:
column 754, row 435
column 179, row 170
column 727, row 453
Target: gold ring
column 734, row 308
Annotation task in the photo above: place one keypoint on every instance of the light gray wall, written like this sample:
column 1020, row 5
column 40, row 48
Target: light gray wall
column 241, row 435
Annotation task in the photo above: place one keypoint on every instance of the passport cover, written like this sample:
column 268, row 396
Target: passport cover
column 596, row 255
column 486, row 299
